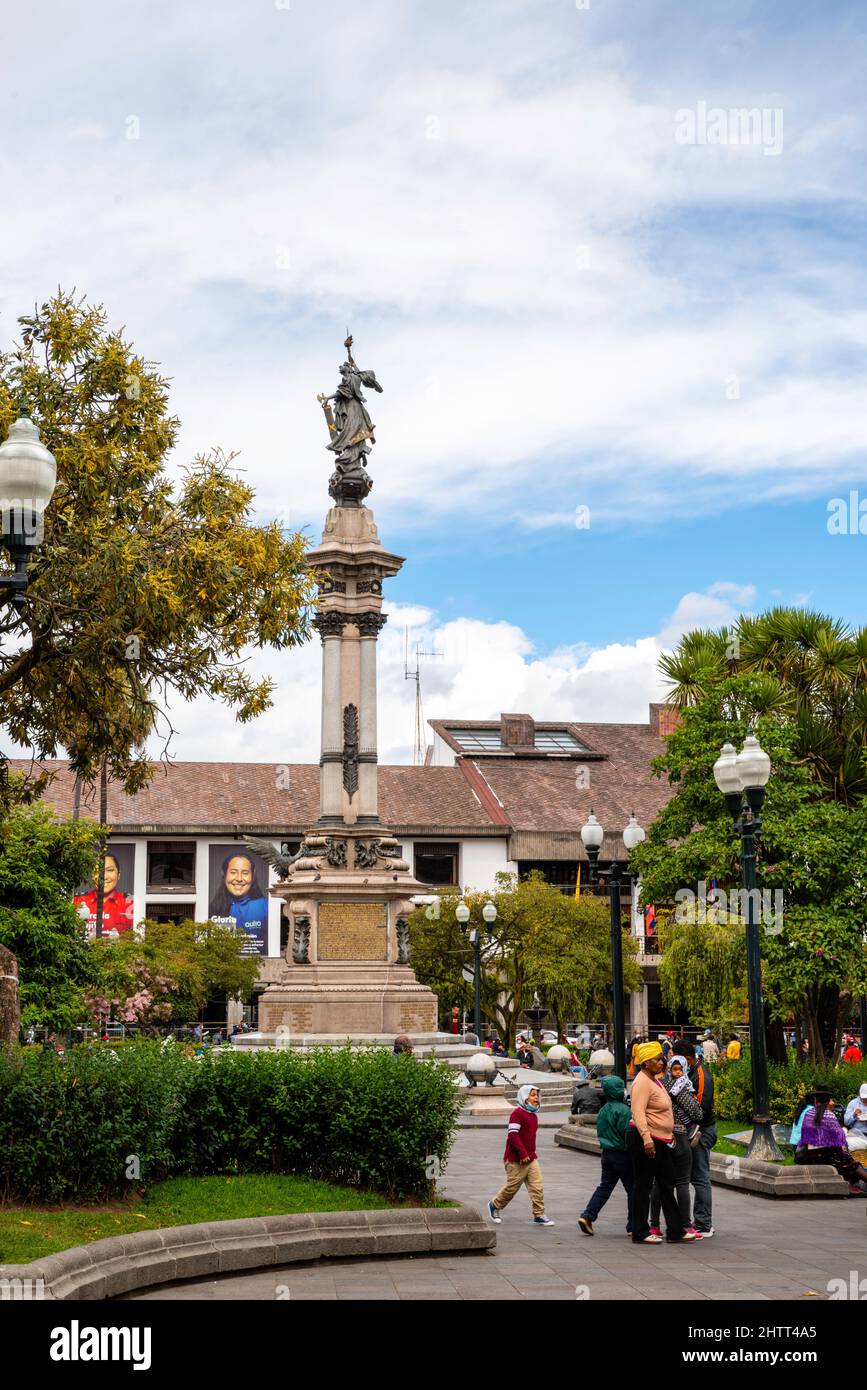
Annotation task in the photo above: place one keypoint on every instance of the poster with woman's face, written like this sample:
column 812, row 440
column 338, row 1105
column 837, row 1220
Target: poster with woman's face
column 118, row 908
column 238, row 893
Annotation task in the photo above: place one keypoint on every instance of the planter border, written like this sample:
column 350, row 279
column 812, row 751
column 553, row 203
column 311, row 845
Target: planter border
column 122, row 1264
column 730, row 1170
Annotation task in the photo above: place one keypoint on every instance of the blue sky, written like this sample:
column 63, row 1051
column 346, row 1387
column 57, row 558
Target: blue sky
column 567, row 305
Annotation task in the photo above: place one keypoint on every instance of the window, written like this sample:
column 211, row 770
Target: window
column 171, row 865
column 557, row 741
column 437, row 863
column 477, row 740
column 171, row 912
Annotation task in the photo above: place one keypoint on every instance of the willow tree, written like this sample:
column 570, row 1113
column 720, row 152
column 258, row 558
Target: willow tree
column 702, row 968
column 145, row 586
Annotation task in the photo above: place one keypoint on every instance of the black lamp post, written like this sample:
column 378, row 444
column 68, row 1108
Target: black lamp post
column 592, row 835
column 489, row 913
column 742, row 777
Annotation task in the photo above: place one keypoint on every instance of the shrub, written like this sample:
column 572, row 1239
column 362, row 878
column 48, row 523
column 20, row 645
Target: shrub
column 787, row 1087
column 68, row 1125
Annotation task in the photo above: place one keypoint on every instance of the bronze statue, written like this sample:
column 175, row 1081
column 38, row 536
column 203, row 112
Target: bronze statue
column 350, row 427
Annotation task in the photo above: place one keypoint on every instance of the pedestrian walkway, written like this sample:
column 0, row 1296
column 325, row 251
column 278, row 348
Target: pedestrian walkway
column 763, row 1250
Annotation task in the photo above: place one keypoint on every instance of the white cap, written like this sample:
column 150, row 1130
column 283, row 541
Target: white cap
column 863, row 1091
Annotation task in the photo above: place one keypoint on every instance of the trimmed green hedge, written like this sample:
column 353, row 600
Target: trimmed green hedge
column 72, row 1127
column 733, row 1097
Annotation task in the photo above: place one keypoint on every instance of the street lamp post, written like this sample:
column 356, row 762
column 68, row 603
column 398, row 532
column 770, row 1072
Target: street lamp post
column 742, row 777
column 592, row 835
column 28, row 473
column 489, row 913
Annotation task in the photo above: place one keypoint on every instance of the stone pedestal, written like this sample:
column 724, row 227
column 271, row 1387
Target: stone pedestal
column 348, row 893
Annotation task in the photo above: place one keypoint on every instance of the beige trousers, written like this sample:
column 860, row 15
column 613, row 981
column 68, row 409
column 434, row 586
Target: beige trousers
column 516, row 1175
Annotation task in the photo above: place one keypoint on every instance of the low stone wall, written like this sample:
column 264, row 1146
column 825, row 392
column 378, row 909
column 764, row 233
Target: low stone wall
column 730, row 1170
column 122, row 1264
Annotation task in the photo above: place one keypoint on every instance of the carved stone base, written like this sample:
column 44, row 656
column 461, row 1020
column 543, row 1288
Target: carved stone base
column 349, row 999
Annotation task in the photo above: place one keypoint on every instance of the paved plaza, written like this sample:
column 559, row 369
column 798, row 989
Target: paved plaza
column 763, row 1249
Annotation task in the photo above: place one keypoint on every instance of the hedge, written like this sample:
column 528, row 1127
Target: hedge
column 733, row 1095
column 93, row 1125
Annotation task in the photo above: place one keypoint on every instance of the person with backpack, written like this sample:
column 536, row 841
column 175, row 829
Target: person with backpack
column 612, row 1126
column 703, row 1087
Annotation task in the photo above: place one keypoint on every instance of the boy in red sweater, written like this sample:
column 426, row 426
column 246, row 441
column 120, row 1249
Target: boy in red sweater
column 522, row 1165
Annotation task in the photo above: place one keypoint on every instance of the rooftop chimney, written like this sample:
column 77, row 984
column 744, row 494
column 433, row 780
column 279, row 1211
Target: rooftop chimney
column 664, row 719
column 518, row 731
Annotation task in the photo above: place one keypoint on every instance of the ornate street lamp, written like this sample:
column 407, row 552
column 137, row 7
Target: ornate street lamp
column 742, row 778
column 489, row 913
column 592, row 835
column 28, row 473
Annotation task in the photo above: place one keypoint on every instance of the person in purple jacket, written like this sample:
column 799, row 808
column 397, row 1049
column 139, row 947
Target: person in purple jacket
column 522, row 1165
column 823, row 1139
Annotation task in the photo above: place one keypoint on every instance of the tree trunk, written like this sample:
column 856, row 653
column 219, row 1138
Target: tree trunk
column 775, row 1039
column 10, row 1007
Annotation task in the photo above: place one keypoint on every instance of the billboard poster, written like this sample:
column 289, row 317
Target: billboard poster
column 238, row 893
column 118, row 907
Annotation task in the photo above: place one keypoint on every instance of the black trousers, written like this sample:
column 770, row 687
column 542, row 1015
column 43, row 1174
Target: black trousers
column 649, row 1168
column 616, row 1167
column 682, row 1171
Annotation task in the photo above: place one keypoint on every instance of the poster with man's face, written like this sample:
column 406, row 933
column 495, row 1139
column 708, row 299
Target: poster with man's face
column 118, row 907
column 238, row 893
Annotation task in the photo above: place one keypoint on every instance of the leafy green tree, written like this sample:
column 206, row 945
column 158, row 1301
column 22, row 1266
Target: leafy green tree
column 171, row 971
column 143, row 585
column 542, row 940
column 812, row 848
column 42, row 863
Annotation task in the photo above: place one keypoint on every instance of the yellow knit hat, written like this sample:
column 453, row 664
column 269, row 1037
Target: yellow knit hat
column 645, row 1051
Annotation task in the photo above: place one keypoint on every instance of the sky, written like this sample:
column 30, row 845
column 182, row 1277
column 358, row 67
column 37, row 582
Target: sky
column 606, row 259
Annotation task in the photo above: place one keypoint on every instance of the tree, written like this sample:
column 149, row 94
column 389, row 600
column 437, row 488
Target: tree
column 171, row 971
column 813, row 847
column 141, row 586
column 42, row 863
column 542, row 940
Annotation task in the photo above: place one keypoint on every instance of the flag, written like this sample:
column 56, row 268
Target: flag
column 578, row 884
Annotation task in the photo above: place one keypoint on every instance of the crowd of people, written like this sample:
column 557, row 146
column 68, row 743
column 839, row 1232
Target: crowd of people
column 657, row 1144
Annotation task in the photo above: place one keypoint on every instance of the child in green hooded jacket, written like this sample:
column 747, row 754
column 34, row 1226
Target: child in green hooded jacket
column 612, row 1124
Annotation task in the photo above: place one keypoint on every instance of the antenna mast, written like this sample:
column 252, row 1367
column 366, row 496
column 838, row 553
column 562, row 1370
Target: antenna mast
column 419, row 745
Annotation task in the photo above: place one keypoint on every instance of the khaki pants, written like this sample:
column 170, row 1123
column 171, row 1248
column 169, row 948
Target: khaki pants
column 516, row 1175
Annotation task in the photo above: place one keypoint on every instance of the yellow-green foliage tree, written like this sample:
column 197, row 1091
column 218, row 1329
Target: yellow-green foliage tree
column 144, row 584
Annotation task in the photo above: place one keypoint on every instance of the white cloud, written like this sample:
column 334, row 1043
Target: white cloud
column 483, row 669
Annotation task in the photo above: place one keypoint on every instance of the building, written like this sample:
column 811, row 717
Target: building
column 494, row 795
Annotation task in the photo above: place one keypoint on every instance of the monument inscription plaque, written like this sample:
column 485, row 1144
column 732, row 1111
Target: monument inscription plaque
column 353, row 931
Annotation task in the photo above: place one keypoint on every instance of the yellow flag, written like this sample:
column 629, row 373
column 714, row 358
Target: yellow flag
column 578, row 884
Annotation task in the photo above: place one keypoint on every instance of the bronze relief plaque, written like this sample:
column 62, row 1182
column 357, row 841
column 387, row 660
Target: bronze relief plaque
column 353, row 931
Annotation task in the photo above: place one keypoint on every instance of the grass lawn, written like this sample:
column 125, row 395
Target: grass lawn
column 722, row 1146
column 28, row 1233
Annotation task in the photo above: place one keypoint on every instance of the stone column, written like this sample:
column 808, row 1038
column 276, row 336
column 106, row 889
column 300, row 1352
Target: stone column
column 330, row 627
column 368, row 810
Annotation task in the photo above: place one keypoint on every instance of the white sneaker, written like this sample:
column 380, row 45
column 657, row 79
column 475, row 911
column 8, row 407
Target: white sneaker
column 494, row 1214
column 704, row 1235
column 543, row 1221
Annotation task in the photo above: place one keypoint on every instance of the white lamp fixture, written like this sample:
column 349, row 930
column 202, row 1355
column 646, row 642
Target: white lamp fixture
column 489, row 912
column 28, row 471
column 592, row 833
column 462, row 912
column 754, row 765
column 727, row 773
column 633, row 834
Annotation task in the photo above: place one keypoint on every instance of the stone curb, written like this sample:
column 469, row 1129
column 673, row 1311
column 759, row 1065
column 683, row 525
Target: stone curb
column 121, row 1264
column 742, row 1174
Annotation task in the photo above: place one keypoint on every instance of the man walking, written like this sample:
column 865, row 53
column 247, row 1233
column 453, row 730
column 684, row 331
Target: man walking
column 702, row 1085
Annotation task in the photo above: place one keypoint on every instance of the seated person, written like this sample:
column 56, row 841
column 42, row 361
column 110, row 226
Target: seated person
column 855, row 1122
column 525, row 1053
column 822, row 1139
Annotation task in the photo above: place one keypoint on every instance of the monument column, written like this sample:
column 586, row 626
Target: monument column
column 369, row 625
column 330, row 627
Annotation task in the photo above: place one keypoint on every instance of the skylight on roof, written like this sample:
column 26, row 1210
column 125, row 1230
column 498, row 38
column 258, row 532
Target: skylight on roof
column 558, row 741
column 477, row 740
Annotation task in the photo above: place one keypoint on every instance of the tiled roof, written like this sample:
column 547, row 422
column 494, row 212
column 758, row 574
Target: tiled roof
column 279, row 798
